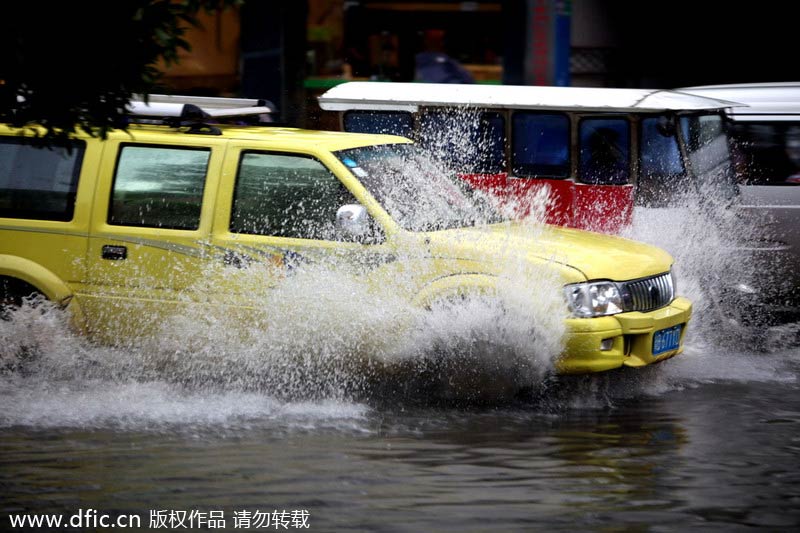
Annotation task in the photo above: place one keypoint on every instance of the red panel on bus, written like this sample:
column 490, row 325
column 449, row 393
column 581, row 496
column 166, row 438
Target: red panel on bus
column 602, row 208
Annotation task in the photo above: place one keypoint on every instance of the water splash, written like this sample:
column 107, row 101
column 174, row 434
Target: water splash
column 325, row 337
column 729, row 285
column 193, row 374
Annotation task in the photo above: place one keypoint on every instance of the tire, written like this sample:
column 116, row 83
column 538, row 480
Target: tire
column 478, row 371
column 14, row 293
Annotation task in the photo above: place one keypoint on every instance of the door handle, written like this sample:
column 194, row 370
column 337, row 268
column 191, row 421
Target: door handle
column 114, row 253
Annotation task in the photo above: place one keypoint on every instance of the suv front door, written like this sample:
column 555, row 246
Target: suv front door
column 277, row 214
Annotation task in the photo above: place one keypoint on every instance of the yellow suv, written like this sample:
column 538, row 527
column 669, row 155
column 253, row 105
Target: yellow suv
column 148, row 223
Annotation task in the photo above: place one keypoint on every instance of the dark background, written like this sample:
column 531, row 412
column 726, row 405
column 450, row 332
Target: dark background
column 665, row 44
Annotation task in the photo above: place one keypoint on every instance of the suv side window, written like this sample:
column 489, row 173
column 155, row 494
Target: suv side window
column 36, row 182
column 159, row 187
column 285, row 195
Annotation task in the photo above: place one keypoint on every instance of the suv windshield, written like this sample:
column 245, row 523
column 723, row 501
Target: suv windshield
column 417, row 191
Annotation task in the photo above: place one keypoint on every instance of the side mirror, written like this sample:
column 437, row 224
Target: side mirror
column 354, row 221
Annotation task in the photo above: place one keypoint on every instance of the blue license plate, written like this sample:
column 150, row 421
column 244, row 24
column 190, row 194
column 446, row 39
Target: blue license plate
column 666, row 340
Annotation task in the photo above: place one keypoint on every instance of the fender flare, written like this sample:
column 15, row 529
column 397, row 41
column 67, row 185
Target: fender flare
column 35, row 274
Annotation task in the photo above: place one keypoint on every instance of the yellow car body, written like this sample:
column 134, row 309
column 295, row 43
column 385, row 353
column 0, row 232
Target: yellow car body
column 104, row 254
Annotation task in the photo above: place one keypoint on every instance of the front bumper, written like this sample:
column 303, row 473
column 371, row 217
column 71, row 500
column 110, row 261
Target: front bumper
column 631, row 337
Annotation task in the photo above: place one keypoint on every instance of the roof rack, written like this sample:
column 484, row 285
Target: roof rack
column 198, row 111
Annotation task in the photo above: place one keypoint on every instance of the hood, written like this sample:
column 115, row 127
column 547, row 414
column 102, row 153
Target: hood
column 594, row 255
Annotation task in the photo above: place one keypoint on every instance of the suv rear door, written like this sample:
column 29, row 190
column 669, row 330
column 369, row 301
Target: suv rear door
column 45, row 195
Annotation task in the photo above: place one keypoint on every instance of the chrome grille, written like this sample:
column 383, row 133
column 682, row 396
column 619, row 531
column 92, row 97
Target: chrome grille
column 648, row 293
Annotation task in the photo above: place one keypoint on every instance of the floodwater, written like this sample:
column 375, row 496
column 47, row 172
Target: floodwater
column 709, row 440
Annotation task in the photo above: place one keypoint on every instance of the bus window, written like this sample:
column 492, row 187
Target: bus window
column 492, row 140
column 391, row 122
column 540, row 145
column 604, row 151
column 472, row 141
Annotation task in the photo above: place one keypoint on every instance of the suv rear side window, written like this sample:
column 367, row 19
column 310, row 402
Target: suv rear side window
column 159, row 187
column 38, row 183
column 285, row 195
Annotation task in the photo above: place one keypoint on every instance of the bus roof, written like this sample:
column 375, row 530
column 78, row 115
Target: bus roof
column 764, row 101
column 410, row 96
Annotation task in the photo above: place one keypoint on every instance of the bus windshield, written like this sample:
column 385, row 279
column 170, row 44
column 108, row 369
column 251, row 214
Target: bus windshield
column 709, row 155
column 662, row 172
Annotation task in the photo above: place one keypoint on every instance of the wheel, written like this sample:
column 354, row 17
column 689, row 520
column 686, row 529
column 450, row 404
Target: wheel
column 14, row 293
column 475, row 357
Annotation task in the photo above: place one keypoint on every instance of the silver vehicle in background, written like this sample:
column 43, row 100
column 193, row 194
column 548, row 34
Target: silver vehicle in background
column 765, row 143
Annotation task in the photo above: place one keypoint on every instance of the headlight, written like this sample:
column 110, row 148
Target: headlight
column 599, row 298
